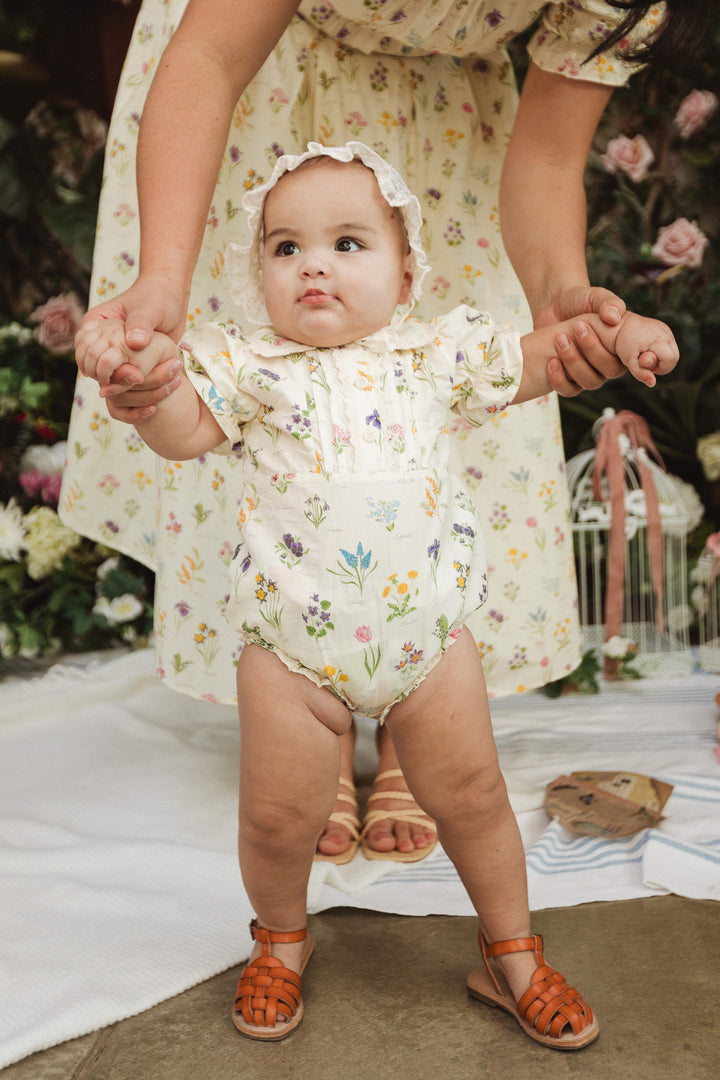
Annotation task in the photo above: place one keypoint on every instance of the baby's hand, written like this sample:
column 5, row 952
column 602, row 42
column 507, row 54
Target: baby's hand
column 100, row 349
column 645, row 346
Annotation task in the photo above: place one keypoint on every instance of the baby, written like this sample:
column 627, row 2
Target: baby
column 359, row 552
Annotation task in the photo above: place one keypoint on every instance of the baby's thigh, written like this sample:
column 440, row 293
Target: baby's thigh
column 284, row 701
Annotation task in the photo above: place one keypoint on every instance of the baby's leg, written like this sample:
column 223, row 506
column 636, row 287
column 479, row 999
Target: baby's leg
column 443, row 737
column 289, row 767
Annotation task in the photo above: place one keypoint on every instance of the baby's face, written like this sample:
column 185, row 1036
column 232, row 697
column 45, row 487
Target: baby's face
column 335, row 265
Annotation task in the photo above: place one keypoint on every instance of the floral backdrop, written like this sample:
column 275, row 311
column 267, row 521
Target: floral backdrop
column 654, row 227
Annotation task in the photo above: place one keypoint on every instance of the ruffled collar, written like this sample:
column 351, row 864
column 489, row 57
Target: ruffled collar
column 407, row 333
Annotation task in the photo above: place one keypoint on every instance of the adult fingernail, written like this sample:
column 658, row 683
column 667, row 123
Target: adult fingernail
column 580, row 329
column 614, row 313
column 562, row 341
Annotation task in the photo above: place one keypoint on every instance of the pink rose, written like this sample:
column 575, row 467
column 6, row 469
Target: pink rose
column 364, row 634
column 694, row 111
column 631, row 156
column 680, row 244
column 58, row 320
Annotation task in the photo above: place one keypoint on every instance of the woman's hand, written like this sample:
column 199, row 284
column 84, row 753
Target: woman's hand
column 152, row 303
column 582, row 361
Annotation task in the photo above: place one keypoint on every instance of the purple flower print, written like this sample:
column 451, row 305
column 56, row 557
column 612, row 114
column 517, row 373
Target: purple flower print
column 374, row 419
column 293, row 545
column 183, row 608
column 494, row 18
column 434, row 550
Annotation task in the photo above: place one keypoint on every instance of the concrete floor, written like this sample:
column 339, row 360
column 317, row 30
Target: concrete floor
column 385, row 998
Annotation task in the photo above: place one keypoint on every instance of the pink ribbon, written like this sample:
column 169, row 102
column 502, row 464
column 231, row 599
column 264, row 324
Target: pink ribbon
column 609, row 462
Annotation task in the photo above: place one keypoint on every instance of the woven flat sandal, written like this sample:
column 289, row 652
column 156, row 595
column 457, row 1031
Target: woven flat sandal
column 267, row 989
column 550, row 1011
column 350, row 819
column 413, row 816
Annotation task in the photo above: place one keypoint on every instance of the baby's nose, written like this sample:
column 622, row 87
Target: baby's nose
column 314, row 266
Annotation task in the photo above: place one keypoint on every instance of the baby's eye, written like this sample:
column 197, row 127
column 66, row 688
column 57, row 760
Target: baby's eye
column 346, row 243
column 287, row 247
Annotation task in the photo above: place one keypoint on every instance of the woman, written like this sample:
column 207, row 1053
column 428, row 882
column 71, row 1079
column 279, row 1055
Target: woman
column 430, row 86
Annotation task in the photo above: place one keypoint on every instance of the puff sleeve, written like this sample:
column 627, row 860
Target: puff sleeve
column 486, row 362
column 569, row 32
column 216, row 358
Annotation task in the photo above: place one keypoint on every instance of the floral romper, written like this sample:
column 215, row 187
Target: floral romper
column 360, row 552
column 427, row 84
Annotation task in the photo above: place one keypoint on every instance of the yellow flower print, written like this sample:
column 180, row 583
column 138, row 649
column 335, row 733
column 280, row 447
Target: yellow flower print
column 206, row 643
column 142, row 479
column 515, row 557
column 452, row 136
column 334, row 675
column 431, row 493
column 399, row 594
column 189, row 567
column 561, row 633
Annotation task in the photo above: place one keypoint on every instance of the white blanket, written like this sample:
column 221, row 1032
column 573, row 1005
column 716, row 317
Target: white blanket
column 118, row 878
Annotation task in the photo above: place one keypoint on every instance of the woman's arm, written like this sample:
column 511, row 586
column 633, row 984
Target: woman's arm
column 216, row 50
column 542, row 195
column 543, row 217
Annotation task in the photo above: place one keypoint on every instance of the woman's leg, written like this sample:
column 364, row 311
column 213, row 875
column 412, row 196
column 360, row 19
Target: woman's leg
column 443, row 737
column 289, row 766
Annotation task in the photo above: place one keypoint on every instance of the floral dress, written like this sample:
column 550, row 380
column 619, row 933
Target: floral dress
column 427, row 84
column 360, row 553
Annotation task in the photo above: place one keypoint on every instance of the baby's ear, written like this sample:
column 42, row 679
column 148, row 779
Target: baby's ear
column 407, row 281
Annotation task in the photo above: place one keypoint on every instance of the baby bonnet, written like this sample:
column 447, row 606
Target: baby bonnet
column 243, row 263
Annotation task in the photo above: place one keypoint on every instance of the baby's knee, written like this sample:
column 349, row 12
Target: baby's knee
column 480, row 793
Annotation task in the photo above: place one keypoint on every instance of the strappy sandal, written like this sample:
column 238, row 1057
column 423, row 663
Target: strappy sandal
column 351, row 821
column 550, row 1011
column 413, row 816
column 266, row 988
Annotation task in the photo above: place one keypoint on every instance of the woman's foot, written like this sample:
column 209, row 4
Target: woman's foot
column 388, row 833
column 342, row 831
column 395, row 824
column 403, row 828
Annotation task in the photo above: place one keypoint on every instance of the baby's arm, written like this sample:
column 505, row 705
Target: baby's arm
column 645, row 346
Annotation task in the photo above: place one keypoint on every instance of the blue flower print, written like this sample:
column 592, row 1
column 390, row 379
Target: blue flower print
column 357, row 567
column 374, row 419
column 384, row 511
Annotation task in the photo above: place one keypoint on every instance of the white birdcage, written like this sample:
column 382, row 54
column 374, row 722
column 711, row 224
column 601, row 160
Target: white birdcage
column 653, row 612
column 706, row 596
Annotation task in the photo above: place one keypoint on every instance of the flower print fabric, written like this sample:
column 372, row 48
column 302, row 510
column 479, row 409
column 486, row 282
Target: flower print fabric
column 430, row 87
column 359, row 557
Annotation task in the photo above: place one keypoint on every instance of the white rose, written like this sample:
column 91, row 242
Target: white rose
column 708, row 452
column 12, row 531
column 680, row 618
column 120, row 609
column 617, row 648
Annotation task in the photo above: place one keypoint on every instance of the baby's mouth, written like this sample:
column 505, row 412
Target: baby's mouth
column 315, row 296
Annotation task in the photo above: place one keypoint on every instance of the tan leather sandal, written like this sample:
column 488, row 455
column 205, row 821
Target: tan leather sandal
column 550, row 1011
column 413, row 815
column 267, row 989
column 350, row 819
